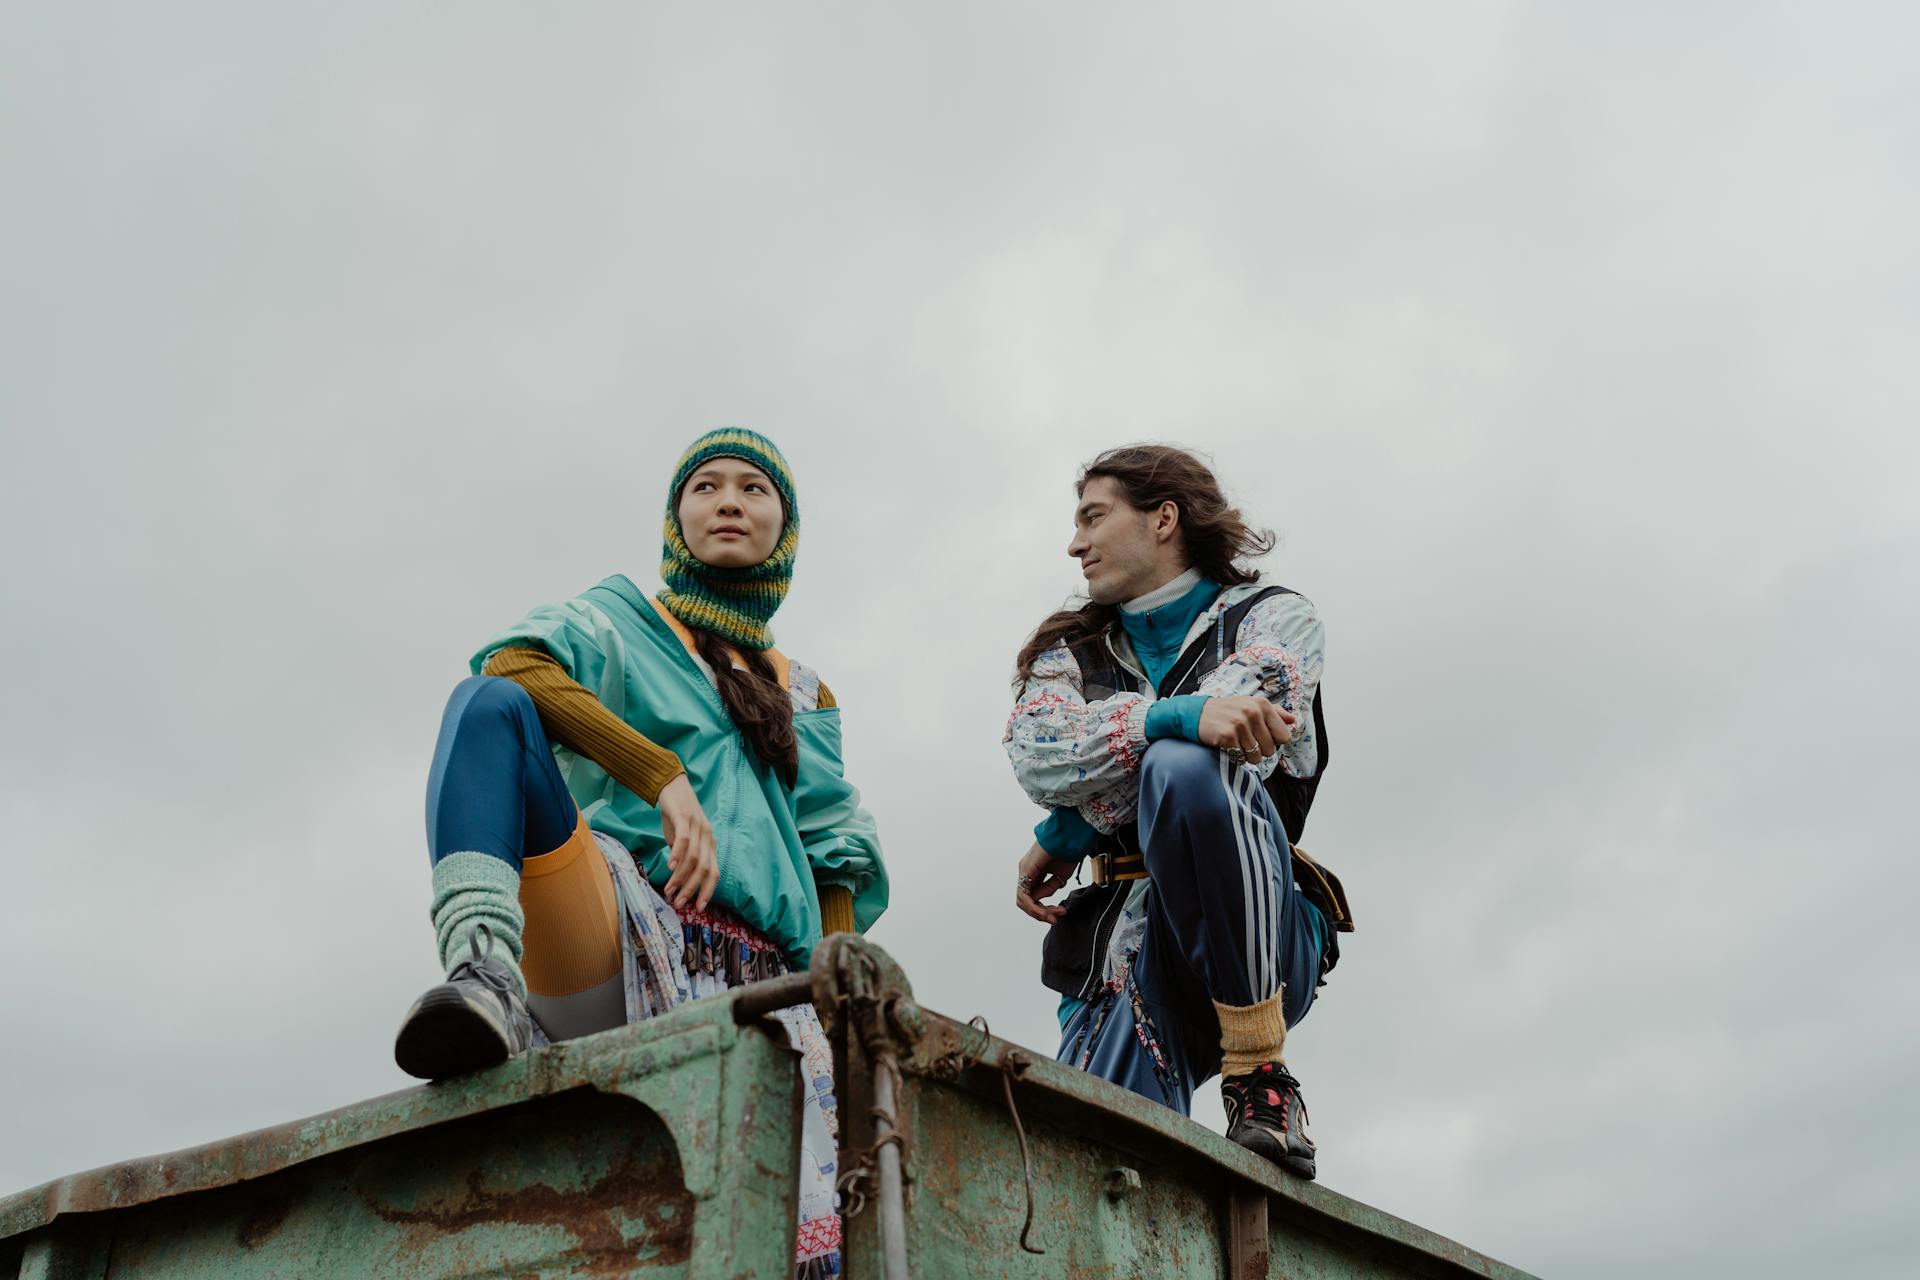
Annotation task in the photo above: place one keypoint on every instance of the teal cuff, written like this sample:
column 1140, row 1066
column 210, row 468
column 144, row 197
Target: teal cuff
column 1177, row 717
column 1063, row 833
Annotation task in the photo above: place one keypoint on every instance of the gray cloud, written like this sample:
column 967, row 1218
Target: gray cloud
column 1564, row 349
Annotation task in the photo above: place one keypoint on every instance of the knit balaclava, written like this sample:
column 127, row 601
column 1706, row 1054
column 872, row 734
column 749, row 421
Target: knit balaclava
column 734, row 604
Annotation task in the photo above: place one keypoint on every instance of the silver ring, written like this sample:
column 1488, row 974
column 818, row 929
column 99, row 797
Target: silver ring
column 1025, row 883
column 1237, row 754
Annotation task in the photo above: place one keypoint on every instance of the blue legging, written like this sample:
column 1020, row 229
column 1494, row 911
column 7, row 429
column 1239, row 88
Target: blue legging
column 1224, row 921
column 494, row 787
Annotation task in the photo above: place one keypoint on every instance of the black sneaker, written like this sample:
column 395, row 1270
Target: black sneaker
column 1265, row 1115
column 476, row 1018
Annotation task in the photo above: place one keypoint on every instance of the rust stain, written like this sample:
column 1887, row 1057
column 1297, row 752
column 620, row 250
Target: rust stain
column 268, row 1216
column 592, row 1215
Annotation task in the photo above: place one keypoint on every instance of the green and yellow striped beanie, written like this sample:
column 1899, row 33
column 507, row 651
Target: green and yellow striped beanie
column 734, row 604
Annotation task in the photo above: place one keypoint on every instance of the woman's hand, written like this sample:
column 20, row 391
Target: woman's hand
column 691, row 857
column 1247, row 728
column 1041, row 876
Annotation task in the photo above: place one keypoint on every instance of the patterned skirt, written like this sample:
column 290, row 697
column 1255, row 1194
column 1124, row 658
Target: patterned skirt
column 673, row 957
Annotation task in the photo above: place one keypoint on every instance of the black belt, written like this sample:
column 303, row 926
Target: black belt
column 1322, row 889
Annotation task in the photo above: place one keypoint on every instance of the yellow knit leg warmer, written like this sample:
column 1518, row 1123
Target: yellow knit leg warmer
column 1251, row 1034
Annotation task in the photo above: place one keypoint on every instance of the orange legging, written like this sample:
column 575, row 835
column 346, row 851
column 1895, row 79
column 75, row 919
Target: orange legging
column 572, row 957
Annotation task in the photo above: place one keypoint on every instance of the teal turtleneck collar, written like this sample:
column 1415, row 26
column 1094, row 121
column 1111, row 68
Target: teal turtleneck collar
column 1157, row 622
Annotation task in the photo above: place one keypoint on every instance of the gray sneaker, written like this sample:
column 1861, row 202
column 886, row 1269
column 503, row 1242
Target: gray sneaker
column 476, row 1018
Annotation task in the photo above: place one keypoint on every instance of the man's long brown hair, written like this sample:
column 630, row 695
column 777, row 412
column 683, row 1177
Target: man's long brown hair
column 1215, row 535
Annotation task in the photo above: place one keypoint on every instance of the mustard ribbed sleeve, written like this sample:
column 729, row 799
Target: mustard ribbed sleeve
column 836, row 909
column 577, row 720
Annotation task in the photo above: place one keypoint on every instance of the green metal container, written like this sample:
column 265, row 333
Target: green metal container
column 669, row 1149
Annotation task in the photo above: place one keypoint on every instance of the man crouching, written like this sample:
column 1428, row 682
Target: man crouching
column 1172, row 728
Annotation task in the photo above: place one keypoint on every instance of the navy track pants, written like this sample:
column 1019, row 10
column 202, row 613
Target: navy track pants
column 1223, row 921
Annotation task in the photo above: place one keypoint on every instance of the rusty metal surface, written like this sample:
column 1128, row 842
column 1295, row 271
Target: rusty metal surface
column 61, row 1259
column 583, row 1184
column 1177, row 1181
column 1087, row 1129
column 600, row 1061
column 669, row 1148
column 626, row 1154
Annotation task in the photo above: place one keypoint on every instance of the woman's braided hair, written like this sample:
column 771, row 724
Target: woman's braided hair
column 755, row 701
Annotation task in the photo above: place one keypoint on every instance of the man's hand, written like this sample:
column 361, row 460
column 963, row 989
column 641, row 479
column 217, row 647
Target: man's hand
column 1251, row 725
column 690, row 849
column 1041, row 876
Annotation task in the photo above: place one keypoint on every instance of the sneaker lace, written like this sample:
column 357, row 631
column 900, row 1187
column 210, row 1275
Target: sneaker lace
column 476, row 968
column 1293, row 1086
column 1252, row 1091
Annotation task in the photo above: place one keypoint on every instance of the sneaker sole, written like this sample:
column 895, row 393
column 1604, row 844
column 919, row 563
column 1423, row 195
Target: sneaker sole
column 1261, row 1144
column 443, row 1037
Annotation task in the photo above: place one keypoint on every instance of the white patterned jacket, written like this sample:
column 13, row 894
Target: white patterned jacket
column 1070, row 753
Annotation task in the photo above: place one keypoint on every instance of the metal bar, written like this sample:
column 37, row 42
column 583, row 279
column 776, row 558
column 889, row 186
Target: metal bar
column 893, row 1201
column 1249, row 1252
column 758, row 999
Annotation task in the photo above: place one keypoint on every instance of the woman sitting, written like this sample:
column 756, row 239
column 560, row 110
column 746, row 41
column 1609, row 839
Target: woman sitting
column 637, row 802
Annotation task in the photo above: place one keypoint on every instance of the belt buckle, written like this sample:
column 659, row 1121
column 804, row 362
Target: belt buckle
column 1118, row 868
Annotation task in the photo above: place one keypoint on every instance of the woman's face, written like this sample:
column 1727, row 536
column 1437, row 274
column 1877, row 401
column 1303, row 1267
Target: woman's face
column 730, row 514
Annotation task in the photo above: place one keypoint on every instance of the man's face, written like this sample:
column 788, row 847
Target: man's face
column 730, row 514
column 1115, row 544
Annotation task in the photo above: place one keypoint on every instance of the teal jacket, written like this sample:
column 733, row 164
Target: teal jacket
column 775, row 843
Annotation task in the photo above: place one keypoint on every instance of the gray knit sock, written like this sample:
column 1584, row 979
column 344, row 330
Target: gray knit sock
column 471, row 889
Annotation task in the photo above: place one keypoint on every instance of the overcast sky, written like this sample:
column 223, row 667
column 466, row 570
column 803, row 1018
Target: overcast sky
column 1569, row 350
